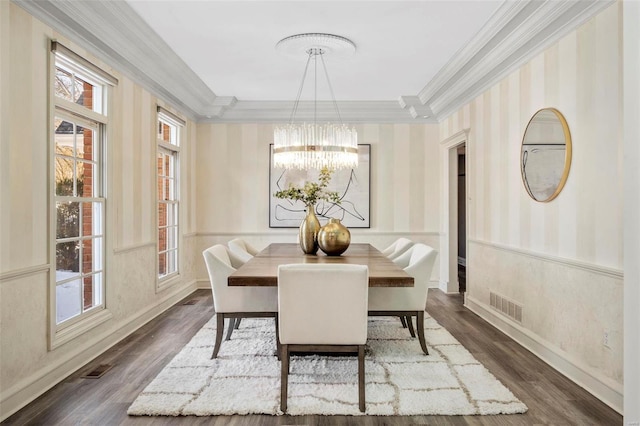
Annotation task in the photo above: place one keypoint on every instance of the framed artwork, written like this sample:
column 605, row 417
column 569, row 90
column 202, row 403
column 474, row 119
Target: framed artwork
column 352, row 185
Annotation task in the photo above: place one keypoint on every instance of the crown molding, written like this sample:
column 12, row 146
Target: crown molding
column 515, row 33
column 350, row 112
column 113, row 32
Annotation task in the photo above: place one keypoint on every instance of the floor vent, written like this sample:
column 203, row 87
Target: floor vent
column 190, row 302
column 97, row 372
column 506, row 307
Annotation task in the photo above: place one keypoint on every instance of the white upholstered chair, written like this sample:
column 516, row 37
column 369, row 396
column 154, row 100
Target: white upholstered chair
column 397, row 248
column 322, row 308
column 242, row 249
column 235, row 302
column 407, row 302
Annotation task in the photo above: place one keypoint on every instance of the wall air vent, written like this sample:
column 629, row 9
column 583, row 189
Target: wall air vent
column 506, row 307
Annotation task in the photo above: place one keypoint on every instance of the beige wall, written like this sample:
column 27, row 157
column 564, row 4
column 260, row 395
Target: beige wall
column 233, row 185
column 561, row 260
column 27, row 366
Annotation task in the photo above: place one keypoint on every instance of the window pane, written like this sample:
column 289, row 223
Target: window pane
column 85, row 183
column 68, row 220
column 92, row 291
column 172, row 261
column 162, row 264
column 63, row 84
column 91, row 219
column 84, row 93
column 67, row 260
column 171, row 189
column 68, row 300
column 63, row 131
column 172, row 237
column 64, row 176
column 91, row 255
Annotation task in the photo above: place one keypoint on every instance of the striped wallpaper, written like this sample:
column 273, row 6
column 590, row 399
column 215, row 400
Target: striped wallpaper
column 562, row 260
column 28, row 365
column 580, row 75
column 233, row 177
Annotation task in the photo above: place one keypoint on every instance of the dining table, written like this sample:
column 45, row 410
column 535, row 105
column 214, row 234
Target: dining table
column 262, row 269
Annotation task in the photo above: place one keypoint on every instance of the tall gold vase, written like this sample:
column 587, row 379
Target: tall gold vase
column 308, row 235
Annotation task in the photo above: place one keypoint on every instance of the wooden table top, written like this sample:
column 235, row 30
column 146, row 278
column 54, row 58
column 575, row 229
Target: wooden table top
column 262, row 270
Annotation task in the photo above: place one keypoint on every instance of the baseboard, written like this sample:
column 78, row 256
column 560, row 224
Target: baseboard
column 603, row 388
column 203, row 284
column 30, row 388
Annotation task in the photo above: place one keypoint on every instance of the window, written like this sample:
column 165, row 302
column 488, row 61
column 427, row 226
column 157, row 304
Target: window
column 79, row 129
column 168, row 136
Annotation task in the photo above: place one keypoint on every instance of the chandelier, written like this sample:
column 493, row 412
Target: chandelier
column 315, row 145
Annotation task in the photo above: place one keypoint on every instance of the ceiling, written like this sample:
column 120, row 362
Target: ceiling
column 415, row 61
column 400, row 45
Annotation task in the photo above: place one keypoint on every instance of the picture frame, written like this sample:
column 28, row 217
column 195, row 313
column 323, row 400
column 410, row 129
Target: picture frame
column 352, row 185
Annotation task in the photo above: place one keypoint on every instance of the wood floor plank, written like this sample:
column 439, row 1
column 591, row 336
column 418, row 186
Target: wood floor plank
column 551, row 397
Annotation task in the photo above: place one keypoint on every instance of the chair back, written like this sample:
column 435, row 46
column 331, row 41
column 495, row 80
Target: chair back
column 323, row 304
column 400, row 246
column 242, row 249
column 220, row 264
column 418, row 262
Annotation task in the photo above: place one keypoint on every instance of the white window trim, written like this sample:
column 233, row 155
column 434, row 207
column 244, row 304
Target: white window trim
column 169, row 280
column 60, row 334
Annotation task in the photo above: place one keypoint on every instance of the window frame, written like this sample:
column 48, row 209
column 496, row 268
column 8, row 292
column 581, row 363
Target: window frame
column 58, row 107
column 172, row 150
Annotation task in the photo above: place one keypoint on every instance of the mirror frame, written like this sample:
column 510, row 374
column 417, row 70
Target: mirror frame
column 567, row 156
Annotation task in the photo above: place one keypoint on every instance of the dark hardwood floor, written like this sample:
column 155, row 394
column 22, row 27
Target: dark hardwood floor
column 551, row 398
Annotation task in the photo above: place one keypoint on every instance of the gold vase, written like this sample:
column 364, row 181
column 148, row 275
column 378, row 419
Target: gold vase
column 308, row 235
column 334, row 238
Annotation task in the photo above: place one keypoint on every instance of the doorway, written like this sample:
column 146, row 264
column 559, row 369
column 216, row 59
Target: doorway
column 462, row 220
column 454, row 254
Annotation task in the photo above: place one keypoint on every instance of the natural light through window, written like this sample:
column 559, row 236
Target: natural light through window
column 168, row 193
column 79, row 176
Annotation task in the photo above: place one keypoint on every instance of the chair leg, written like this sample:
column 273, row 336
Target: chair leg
column 284, row 377
column 232, row 322
column 403, row 320
column 219, row 330
column 361, row 398
column 237, row 323
column 420, row 325
column 409, row 320
column 278, row 346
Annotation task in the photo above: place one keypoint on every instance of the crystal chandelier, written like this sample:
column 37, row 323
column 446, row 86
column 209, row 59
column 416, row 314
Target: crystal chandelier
column 315, row 145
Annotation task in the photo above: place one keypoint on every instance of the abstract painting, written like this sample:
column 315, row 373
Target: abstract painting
column 352, row 186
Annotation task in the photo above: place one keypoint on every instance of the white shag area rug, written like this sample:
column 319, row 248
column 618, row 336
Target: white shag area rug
column 400, row 379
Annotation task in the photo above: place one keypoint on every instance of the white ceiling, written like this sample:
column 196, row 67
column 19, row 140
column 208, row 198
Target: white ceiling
column 400, row 45
column 416, row 61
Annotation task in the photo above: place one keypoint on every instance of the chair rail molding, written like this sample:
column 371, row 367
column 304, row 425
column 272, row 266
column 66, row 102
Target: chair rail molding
column 576, row 264
column 25, row 272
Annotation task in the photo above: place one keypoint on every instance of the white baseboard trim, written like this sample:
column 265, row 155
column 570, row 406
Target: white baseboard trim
column 603, row 388
column 31, row 387
column 203, row 284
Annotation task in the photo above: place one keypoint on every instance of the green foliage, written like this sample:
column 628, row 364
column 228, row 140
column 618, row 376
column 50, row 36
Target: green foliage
column 311, row 192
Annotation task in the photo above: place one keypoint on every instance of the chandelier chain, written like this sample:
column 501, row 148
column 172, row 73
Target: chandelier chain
column 304, row 77
column 335, row 104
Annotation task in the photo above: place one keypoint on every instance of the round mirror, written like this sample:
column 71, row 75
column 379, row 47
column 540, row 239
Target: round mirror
column 546, row 154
